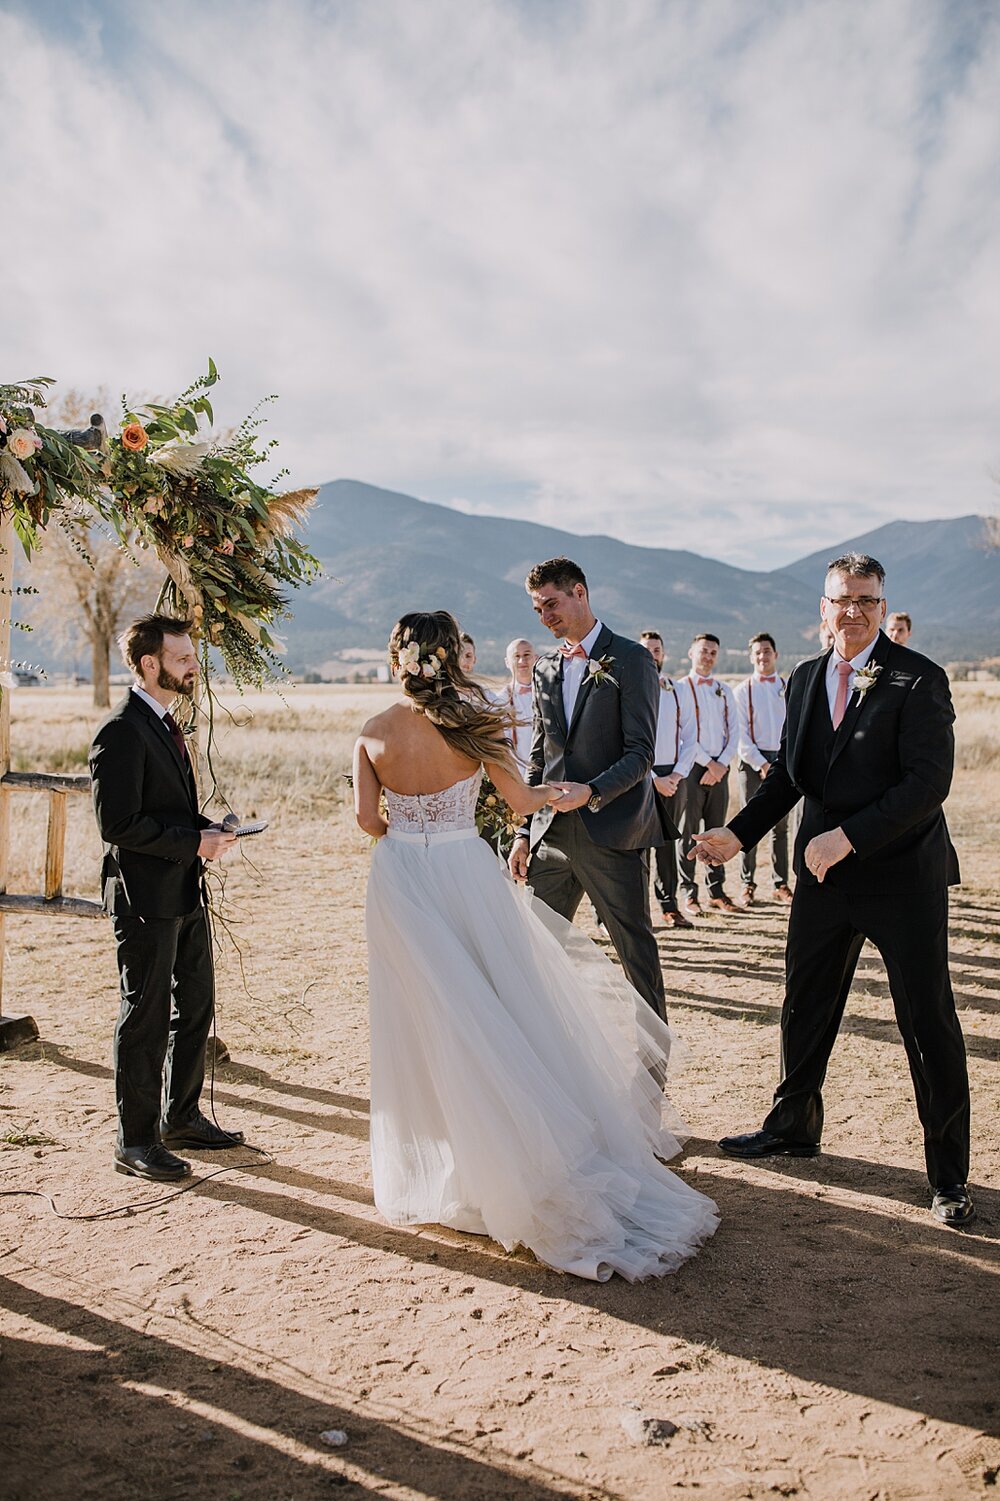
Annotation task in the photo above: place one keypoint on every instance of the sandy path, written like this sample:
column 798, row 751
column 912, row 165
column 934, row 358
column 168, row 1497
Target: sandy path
column 830, row 1342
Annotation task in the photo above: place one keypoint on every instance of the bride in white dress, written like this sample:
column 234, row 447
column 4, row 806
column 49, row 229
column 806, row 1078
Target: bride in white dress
column 516, row 1076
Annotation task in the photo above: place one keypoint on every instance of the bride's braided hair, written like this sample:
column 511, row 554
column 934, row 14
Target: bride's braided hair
column 423, row 653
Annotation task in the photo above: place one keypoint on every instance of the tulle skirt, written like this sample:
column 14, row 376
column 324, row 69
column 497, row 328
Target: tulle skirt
column 516, row 1077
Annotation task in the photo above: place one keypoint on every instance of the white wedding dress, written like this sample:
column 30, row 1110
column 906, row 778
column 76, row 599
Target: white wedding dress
column 512, row 1065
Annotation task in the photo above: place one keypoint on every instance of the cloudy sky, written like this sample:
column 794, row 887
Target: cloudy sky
column 715, row 274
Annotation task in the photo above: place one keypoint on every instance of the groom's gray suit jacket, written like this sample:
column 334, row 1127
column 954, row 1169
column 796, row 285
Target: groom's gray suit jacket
column 609, row 743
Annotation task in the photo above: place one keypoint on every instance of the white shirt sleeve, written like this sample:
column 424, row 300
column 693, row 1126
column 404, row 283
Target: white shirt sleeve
column 747, row 751
column 688, row 727
column 728, row 751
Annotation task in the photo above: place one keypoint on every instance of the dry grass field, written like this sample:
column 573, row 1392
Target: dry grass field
column 831, row 1342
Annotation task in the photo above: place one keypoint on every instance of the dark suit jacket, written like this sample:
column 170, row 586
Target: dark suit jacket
column 888, row 775
column 609, row 743
column 147, row 813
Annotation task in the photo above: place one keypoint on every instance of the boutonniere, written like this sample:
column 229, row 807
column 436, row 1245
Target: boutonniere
column 667, row 684
column 865, row 680
column 718, row 690
column 599, row 670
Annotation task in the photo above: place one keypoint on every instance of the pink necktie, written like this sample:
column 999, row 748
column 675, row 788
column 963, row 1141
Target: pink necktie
column 573, row 651
column 840, row 702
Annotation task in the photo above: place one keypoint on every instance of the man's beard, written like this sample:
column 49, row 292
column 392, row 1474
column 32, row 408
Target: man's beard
column 183, row 686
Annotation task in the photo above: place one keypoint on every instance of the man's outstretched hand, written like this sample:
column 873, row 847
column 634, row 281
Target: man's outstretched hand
column 716, row 846
column 517, row 860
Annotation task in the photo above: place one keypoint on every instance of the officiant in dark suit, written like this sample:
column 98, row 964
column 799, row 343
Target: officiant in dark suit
column 155, row 840
column 869, row 744
column 595, row 706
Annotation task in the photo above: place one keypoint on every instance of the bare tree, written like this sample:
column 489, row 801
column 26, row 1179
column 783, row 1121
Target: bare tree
column 87, row 583
column 86, row 579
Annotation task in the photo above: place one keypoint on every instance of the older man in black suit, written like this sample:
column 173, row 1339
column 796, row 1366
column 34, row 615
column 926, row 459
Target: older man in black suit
column 869, row 745
column 595, row 705
column 155, row 840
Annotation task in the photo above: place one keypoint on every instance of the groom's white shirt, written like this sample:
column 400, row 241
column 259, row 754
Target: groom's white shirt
column 573, row 670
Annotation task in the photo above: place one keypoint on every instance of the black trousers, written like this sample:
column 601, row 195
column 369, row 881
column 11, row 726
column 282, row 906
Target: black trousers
column 749, row 783
column 566, row 863
column 665, row 855
column 700, row 808
column 826, row 930
column 167, row 997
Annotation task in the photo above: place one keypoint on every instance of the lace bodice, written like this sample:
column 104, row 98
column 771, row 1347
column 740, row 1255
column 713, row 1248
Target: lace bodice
column 434, row 812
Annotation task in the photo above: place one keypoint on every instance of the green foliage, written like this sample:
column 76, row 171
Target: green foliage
column 226, row 540
column 54, row 476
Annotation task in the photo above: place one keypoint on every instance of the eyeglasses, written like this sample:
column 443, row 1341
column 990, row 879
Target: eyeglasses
column 863, row 601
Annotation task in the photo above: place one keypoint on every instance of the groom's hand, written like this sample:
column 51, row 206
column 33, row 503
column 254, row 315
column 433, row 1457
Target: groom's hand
column 517, row 860
column 716, row 846
column 575, row 794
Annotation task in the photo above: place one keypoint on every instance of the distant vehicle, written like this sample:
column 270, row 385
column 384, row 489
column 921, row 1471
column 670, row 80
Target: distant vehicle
column 26, row 679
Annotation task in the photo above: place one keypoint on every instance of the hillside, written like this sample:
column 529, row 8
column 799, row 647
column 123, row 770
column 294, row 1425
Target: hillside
column 385, row 553
column 388, row 552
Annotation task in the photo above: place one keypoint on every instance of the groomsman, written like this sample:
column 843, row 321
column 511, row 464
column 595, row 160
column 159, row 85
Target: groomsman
column 705, row 795
column 520, row 658
column 760, row 701
column 672, row 760
column 899, row 627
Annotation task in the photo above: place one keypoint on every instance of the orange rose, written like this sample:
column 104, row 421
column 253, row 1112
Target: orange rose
column 134, row 437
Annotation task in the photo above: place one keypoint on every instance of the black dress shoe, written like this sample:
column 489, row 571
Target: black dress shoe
column 153, row 1162
column 766, row 1144
column 952, row 1204
column 199, row 1134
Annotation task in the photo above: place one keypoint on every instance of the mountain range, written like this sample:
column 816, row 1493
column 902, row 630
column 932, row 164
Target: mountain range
column 385, row 553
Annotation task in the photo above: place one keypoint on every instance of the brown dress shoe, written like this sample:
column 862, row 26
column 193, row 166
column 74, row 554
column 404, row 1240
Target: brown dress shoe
column 723, row 903
column 676, row 920
column 782, row 893
column 747, row 895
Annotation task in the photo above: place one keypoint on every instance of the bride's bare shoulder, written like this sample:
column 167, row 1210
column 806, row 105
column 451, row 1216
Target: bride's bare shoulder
column 393, row 717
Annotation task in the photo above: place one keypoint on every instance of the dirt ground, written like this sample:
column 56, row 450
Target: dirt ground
column 831, row 1341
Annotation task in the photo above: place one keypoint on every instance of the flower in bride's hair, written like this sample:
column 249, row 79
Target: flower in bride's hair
column 409, row 658
column 431, row 667
column 440, row 652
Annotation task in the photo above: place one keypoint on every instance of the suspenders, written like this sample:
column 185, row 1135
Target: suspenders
column 697, row 715
column 753, row 737
column 677, row 716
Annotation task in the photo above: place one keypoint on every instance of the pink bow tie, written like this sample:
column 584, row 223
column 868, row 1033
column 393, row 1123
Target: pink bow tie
column 573, row 651
column 703, row 681
column 519, row 689
column 768, row 680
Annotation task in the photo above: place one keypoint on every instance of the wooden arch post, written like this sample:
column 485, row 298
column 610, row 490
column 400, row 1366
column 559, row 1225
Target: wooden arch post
column 13, row 1029
column 18, row 1029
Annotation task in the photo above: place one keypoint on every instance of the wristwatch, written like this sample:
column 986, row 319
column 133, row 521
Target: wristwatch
column 594, row 804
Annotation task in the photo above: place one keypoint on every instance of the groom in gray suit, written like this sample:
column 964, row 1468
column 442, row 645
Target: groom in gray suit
column 595, row 704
